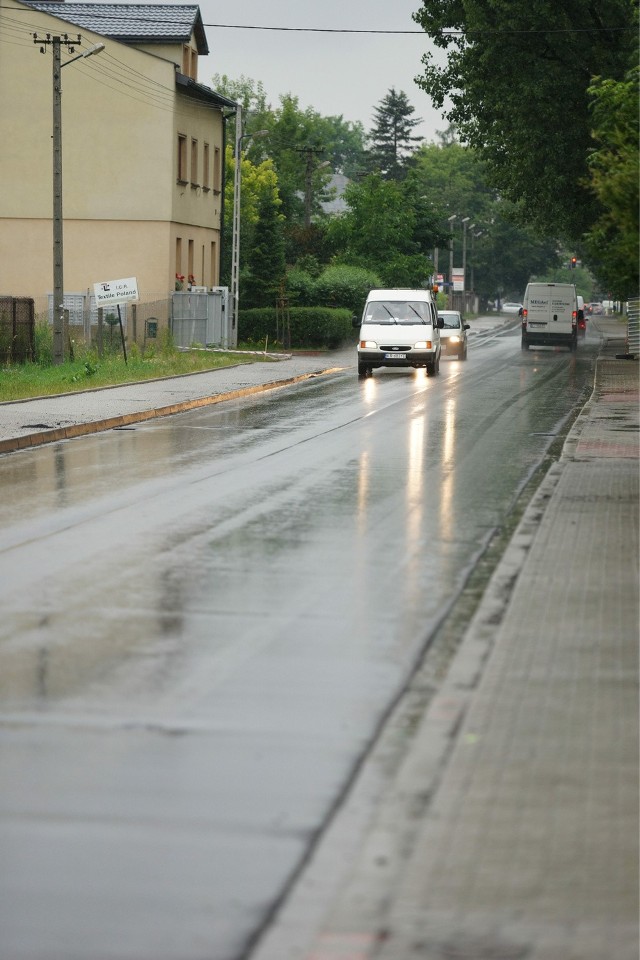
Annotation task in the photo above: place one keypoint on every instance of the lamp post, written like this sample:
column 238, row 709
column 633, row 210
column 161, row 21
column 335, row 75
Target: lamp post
column 465, row 221
column 235, row 233
column 474, row 237
column 58, row 259
column 450, row 222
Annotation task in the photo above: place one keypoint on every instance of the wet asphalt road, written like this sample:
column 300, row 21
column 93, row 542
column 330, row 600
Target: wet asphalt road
column 205, row 621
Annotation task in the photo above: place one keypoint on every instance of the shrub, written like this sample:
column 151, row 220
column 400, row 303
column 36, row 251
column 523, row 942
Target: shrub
column 301, row 288
column 308, row 326
column 345, row 286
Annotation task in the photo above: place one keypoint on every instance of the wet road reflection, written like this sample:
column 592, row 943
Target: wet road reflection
column 205, row 619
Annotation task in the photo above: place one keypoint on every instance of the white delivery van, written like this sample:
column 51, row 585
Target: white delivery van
column 399, row 328
column 550, row 315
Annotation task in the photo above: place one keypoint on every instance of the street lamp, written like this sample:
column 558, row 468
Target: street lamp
column 474, row 237
column 58, row 261
column 235, row 235
column 465, row 221
column 450, row 222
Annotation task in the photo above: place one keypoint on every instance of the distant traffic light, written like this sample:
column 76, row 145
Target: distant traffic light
column 574, row 260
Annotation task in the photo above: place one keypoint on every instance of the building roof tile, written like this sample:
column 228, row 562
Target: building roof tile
column 132, row 22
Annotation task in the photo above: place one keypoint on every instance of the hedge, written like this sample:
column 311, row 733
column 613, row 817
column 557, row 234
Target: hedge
column 308, row 326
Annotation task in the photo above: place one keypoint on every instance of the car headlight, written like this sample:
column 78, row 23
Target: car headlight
column 454, row 339
column 422, row 345
column 368, row 345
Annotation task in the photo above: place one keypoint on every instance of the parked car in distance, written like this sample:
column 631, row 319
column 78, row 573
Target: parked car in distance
column 453, row 336
column 510, row 307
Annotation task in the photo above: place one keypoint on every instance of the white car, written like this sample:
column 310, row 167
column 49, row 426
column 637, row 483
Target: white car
column 453, row 336
column 509, row 307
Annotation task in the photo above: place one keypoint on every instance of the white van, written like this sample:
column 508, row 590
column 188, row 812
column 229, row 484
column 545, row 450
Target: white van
column 399, row 328
column 550, row 315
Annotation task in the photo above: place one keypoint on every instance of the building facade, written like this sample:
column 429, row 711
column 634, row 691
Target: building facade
column 142, row 148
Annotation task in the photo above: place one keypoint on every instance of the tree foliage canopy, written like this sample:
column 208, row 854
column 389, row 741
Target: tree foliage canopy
column 517, row 76
column 612, row 240
column 391, row 137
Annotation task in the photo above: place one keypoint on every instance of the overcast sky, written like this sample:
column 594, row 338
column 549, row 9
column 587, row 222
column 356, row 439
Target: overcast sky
column 334, row 73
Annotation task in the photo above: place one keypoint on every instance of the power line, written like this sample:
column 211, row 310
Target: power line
column 422, row 33
column 107, row 15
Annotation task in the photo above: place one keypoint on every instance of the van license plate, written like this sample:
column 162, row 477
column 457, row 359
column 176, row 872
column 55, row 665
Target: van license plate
column 395, row 356
column 537, row 324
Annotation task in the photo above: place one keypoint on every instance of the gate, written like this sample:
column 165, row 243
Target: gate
column 17, row 329
column 201, row 316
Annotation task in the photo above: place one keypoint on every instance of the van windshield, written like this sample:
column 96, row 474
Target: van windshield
column 397, row 311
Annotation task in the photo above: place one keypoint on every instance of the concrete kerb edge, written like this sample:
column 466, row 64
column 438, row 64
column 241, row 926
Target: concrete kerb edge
column 12, row 444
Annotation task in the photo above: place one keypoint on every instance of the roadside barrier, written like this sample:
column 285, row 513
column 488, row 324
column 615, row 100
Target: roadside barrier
column 633, row 328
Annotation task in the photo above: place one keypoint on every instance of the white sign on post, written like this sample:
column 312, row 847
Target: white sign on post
column 115, row 291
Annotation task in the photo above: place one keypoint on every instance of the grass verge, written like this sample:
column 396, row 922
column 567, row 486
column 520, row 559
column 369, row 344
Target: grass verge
column 22, row 381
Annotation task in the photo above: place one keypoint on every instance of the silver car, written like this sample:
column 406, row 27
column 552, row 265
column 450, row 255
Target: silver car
column 453, row 336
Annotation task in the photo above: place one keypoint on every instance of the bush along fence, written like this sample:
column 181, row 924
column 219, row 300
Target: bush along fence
column 298, row 327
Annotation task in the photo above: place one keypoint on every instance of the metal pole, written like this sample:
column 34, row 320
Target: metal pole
column 235, row 235
column 450, row 221
column 58, row 268
column 465, row 221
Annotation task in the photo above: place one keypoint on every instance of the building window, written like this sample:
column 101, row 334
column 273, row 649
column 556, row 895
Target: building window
column 178, row 256
column 182, row 158
column 190, row 258
column 205, row 166
column 189, row 61
column 194, row 163
column 216, row 170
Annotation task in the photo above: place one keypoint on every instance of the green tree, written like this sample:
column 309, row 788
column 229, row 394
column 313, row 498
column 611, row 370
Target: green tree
column 258, row 181
column 612, row 241
column 263, row 278
column 452, row 180
column 378, row 232
column 517, row 76
column 391, row 136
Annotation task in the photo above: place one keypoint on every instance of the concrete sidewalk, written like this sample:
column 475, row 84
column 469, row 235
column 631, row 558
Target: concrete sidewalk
column 510, row 830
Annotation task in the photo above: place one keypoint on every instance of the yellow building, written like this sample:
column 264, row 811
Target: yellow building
column 142, row 148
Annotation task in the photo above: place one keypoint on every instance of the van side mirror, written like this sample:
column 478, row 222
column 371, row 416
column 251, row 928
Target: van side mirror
column 580, row 314
column 355, row 321
column 467, row 326
column 440, row 323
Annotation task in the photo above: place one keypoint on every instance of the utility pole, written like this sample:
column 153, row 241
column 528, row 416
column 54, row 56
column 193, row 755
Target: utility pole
column 309, row 169
column 58, row 259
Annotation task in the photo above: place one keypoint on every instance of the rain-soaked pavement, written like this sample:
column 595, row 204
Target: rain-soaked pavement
column 206, row 619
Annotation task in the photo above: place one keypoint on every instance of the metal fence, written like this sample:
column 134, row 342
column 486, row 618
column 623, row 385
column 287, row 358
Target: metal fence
column 202, row 317
column 17, row 329
column 633, row 328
